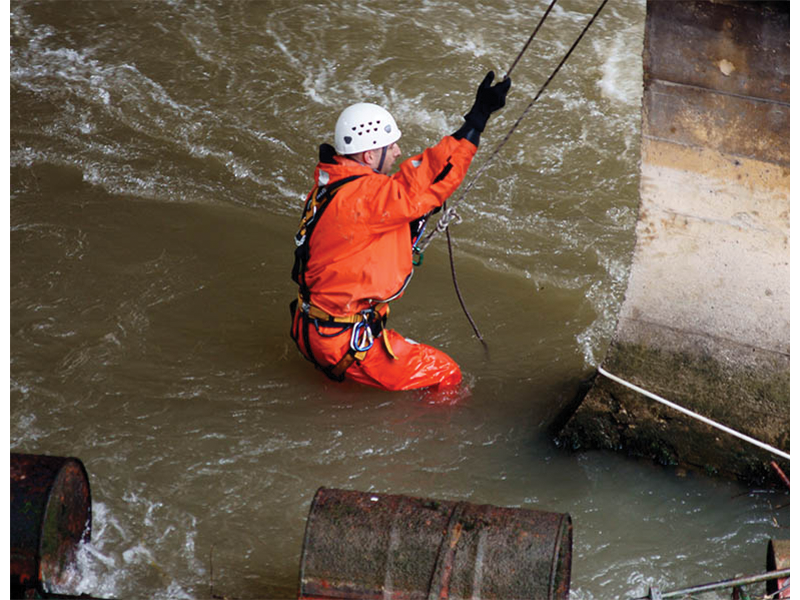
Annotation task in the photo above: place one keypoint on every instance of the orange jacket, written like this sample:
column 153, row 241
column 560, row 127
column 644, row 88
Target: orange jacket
column 360, row 252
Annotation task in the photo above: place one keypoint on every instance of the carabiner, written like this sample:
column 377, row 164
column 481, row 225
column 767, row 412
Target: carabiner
column 361, row 338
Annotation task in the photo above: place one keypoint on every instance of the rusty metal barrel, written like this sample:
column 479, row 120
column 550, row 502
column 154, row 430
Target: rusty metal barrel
column 361, row 546
column 51, row 514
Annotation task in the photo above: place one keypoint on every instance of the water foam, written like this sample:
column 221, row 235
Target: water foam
column 621, row 80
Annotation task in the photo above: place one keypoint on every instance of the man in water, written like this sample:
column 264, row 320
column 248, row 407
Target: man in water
column 354, row 246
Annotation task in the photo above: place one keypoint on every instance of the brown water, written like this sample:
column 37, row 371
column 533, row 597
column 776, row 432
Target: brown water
column 159, row 156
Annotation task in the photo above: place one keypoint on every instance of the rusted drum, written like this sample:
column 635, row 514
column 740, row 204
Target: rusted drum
column 778, row 559
column 51, row 513
column 369, row 546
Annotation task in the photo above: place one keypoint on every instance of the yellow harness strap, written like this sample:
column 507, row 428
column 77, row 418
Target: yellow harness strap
column 317, row 313
column 348, row 359
column 387, row 345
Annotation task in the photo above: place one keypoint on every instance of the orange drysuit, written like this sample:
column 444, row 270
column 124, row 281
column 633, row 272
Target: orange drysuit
column 359, row 256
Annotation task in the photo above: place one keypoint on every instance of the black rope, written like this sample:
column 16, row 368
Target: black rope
column 449, row 213
column 449, row 240
column 530, row 39
column 460, row 297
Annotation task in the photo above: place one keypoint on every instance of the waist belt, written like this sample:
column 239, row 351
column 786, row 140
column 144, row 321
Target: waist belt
column 365, row 327
column 382, row 310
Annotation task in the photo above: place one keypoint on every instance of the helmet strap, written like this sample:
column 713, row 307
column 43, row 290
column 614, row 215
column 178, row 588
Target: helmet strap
column 383, row 158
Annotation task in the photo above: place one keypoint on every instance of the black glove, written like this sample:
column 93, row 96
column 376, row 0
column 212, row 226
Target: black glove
column 488, row 99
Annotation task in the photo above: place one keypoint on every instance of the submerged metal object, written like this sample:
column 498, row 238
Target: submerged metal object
column 735, row 584
column 51, row 514
column 778, row 552
column 367, row 546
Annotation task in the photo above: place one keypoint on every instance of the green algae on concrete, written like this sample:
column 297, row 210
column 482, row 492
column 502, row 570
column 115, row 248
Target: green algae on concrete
column 756, row 403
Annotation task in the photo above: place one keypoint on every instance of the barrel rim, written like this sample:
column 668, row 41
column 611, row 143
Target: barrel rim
column 565, row 530
column 55, row 469
column 306, row 534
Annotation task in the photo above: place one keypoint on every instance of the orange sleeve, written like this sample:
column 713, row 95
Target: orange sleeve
column 423, row 182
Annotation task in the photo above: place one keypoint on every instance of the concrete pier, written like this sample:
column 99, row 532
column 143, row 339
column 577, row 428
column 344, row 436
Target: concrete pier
column 705, row 319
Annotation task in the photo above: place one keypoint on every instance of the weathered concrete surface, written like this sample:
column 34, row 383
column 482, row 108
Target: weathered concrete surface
column 705, row 320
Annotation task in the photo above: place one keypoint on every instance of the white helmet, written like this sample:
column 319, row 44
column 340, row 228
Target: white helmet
column 364, row 126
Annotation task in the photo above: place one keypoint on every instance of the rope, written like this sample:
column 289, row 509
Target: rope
column 450, row 214
column 694, row 415
column 530, row 39
column 460, row 297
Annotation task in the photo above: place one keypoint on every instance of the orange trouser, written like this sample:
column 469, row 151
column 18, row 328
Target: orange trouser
column 393, row 362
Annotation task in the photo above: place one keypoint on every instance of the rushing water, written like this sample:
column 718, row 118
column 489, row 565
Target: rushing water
column 160, row 152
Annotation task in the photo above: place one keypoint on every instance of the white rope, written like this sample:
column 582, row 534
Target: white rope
column 694, row 415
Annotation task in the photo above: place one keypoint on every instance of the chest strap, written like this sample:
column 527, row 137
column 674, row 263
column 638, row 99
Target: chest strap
column 318, row 200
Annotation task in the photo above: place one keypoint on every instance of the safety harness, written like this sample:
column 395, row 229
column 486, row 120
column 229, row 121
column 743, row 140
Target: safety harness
column 363, row 326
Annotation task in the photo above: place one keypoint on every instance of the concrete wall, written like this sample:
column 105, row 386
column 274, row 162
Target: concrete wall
column 705, row 320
